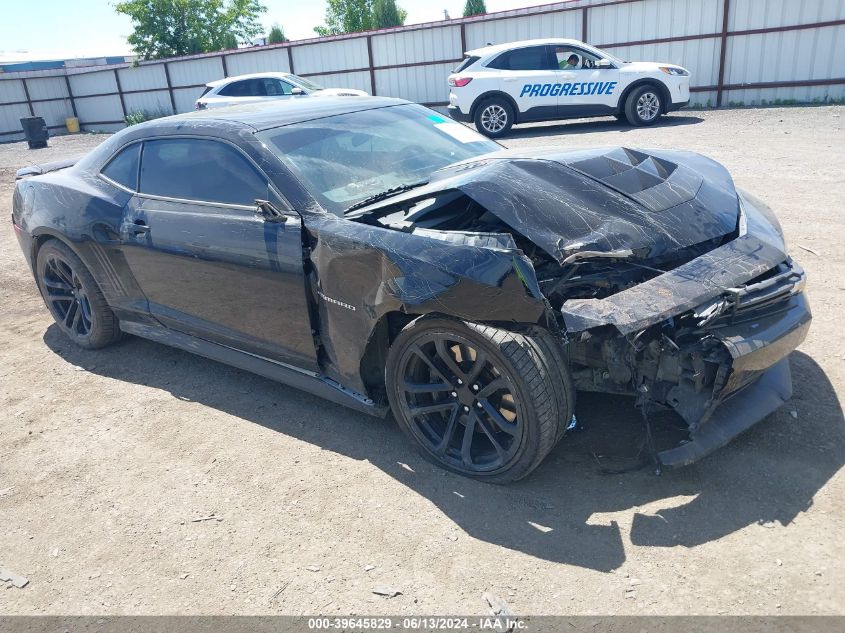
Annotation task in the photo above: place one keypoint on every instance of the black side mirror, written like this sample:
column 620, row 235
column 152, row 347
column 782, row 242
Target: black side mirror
column 266, row 210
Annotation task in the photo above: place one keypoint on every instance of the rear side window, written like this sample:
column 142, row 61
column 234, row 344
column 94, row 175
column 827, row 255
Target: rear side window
column 468, row 61
column 198, row 169
column 245, row 88
column 123, row 168
column 529, row 58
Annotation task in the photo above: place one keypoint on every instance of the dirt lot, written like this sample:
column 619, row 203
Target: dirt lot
column 107, row 458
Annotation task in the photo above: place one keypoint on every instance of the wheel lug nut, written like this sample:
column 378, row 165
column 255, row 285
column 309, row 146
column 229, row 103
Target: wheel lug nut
column 475, row 387
column 479, row 405
column 466, row 409
column 460, row 382
column 454, row 394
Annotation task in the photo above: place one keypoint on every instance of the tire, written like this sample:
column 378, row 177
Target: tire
column 621, row 117
column 644, row 105
column 494, row 117
column 74, row 298
column 480, row 401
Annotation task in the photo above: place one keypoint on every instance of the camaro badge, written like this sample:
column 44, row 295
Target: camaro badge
column 342, row 304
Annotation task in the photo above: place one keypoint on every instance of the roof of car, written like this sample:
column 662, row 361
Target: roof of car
column 227, row 80
column 492, row 49
column 263, row 115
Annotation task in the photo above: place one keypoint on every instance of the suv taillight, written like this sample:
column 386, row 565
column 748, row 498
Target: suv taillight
column 459, row 82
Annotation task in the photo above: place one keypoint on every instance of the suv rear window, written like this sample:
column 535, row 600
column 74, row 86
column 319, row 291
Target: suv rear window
column 468, row 61
column 529, row 58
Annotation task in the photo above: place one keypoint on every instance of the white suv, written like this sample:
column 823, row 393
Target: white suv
column 542, row 80
column 260, row 86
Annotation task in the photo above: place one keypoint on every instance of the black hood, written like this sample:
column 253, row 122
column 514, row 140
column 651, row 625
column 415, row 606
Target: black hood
column 651, row 202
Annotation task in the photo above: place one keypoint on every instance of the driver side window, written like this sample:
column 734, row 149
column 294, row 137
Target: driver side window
column 569, row 58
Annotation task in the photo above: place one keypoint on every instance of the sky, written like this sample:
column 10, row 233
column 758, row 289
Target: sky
column 60, row 29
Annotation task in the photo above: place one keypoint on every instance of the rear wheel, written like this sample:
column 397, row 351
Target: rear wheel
column 480, row 401
column 74, row 298
column 644, row 106
column 494, row 117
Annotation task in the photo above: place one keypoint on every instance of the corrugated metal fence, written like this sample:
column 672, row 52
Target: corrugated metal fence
column 738, row 51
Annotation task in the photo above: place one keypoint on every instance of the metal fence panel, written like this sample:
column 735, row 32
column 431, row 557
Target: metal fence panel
column 760, row 14
column 10, row 116
column 779, row 96
column 11, row 90
column 786, row 56
column 423, row 84
column 92, row 83
column 331, row 56
column 275, row 60
column 565, row 24
column 423, row 45
column 655, row 19
column 53, row 112
column 46, row 87
column 142, row 77
column 153, row 102
column 195, row 71
column 185, row 98
column 98, row 109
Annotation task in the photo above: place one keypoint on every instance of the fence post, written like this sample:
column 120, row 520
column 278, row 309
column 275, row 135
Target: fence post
column 463, row 39
column 70, row 96
column 584, row 26
column 225, row 68
column 290, row 59
column 371, row 65
column 120, row 93
column 28, row 100
column 726, row 7
column 169, row 87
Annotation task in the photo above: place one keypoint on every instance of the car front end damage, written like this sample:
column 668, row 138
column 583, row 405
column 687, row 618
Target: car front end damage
column 660, row 279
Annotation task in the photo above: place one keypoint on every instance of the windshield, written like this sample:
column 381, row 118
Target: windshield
column 308, row 85
column 347, row 158
column 605, row 55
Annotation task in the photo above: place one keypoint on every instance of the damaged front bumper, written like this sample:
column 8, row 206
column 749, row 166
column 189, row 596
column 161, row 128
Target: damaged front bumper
column 709, row 339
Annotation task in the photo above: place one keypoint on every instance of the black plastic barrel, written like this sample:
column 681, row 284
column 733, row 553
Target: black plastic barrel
column 35, row 130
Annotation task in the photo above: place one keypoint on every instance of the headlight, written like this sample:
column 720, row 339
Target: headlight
column 674, row 70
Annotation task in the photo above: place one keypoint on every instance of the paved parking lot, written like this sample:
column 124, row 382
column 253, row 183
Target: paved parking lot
column 109, row 459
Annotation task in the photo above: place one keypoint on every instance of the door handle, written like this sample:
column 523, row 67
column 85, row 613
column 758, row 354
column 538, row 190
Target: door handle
column 139, row 227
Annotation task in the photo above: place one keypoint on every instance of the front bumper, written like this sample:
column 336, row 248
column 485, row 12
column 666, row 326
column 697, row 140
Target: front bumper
column 457, row 115
column 758, row 382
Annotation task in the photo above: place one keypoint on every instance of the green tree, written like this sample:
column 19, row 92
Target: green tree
column 276, row 35
column 230, row 41
column 386, row 14
column 347, row 16
column 167, row 28
column 474, row 7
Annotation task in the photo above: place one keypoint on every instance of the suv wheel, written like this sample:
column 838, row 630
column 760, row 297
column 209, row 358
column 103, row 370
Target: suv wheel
column 644, row 106
column 478, row 400
column 494, row 117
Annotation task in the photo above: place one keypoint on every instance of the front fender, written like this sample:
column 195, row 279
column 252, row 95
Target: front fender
column 359, row 273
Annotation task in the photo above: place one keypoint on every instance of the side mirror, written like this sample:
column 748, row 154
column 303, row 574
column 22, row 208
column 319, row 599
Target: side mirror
column 604, row 64
column 297, row 91
column 266, row 210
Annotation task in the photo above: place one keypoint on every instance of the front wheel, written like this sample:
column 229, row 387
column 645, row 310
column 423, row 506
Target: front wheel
column 643, row 106
column 478, row 400
column 494, row 117
column 73, row 297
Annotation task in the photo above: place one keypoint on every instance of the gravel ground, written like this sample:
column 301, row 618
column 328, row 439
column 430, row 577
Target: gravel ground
column 108, row 458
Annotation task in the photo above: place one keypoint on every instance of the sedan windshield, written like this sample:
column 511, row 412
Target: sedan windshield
column 308, row 85
column 347, row 158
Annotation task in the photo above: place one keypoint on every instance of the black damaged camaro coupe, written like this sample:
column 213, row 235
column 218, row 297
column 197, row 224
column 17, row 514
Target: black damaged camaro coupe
column 379, row 255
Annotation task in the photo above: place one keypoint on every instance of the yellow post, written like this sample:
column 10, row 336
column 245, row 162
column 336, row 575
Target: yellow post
column 72, row 125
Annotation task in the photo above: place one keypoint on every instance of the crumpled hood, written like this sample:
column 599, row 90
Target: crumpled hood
column 651, row 202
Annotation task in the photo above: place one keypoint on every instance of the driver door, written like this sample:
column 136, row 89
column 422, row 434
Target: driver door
column 586, row 89
column 209, row 264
